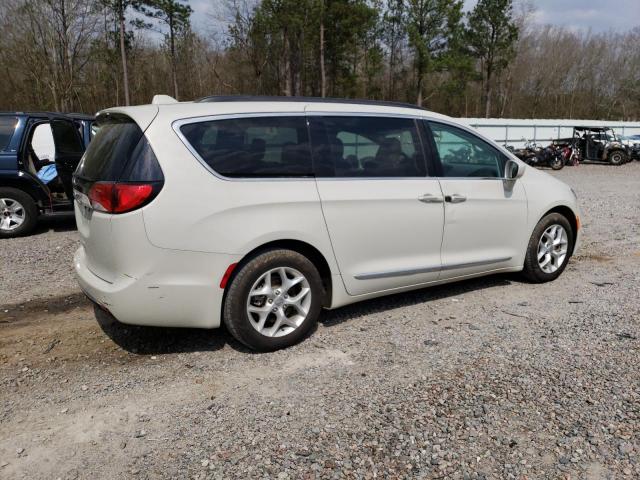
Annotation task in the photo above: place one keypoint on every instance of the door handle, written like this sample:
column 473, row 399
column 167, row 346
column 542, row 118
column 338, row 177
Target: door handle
column 455, row 198
column 429, row 198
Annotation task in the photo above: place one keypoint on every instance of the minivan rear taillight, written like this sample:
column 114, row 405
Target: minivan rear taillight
column 112, row 197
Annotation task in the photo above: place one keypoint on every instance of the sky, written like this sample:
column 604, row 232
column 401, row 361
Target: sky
column 576, row 15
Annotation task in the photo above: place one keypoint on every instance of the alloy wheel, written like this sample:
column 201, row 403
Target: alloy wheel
column 12, row 214
column 279, row 301
column 552, row 248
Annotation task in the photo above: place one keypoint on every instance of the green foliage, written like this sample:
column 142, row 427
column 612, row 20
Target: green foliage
column 492, row 36
column 471, row 65
column 280, row 42
column 349, row 39
column 176, row 16
column 370, row 47
column 492, row 32
column 174, row 13
column 432, row 26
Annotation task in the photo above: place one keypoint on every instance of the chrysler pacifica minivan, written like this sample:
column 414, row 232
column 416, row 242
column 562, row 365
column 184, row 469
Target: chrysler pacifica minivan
column 259, row 212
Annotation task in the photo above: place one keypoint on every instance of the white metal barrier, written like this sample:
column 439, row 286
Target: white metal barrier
column 515, row 132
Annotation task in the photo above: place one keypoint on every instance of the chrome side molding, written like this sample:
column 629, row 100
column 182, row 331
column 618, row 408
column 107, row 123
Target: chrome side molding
column 395, row 273
column 454, row 266
column 416, row 271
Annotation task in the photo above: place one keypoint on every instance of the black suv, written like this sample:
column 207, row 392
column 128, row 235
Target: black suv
column 38, row 153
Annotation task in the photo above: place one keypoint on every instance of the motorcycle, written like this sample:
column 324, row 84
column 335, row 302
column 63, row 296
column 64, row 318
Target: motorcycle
column 570, row 155
column 536, row 156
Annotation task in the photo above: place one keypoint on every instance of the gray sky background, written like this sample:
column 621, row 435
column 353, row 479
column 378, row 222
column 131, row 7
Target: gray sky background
column 581, row 15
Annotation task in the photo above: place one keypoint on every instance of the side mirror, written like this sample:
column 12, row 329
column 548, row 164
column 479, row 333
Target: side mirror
column 513, row 170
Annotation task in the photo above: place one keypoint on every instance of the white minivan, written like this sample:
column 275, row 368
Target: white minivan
column 261, row 211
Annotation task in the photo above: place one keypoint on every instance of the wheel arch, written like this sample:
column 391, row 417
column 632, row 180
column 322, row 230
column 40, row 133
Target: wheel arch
column 570, row 215
column 301, row 247
column 40, row 198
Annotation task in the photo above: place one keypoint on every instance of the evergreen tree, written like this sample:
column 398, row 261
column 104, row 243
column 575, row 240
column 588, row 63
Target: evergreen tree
column 176, row 16
column 492, row 36
column 429, row 25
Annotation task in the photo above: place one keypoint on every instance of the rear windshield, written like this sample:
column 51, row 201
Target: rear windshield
column 7, row 126
column 113, row 145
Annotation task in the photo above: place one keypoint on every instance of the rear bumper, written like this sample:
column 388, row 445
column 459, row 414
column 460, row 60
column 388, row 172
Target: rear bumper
column 180, row 289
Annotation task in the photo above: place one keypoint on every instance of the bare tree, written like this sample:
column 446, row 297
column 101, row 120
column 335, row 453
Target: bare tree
column 119, row 9
column 53, row 38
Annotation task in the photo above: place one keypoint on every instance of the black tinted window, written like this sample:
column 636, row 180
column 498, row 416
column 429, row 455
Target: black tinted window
column 7, row 126
column 253, row 147
column 462, row 154
column 367, row 147
column 119, row 152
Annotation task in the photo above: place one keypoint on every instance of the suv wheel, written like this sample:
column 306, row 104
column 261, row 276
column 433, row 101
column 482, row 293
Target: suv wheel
column 18, row 213
column 618, row 157
column 549, row 249
column 274, row 300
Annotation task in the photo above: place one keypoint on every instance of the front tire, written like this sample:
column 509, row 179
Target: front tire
column 274, row 300
column 18, row 213
column 618, row 157
column 549, row 249
column 557, row 163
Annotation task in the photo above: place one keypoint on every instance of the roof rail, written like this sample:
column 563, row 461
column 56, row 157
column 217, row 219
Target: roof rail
column 267, row 98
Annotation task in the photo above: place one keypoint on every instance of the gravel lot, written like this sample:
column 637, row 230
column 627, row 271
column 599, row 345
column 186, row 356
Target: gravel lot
column 491, row 378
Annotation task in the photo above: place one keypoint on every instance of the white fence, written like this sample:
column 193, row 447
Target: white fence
column 508, row 131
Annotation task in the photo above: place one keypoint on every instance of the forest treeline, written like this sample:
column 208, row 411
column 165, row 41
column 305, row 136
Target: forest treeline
column 85, row 55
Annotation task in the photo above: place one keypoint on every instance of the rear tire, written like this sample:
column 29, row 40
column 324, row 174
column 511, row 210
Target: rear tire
column 266, row 313
column 618, row 157
column 545, row 260
column 18, row 213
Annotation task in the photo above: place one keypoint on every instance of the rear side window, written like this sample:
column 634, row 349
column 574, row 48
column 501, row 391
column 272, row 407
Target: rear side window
column 7, row 126
column 252, row 147
column 346, row 146
column 119, row 152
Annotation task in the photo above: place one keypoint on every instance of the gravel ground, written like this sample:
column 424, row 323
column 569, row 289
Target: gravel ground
column 491, row 378
column 39, row 266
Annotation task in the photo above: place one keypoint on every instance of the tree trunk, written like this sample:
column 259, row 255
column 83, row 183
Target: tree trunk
column 391, row 86
column 505, row 93
column 488, row 91
column 323, row 77
column 288, row 87
column 123, row 55
column 66, row 74
column 172, row 42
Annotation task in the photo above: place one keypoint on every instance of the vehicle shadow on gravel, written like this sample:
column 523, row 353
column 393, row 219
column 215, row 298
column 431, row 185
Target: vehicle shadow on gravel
column 59, row 223
column 157, row 340
column 336, row 317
